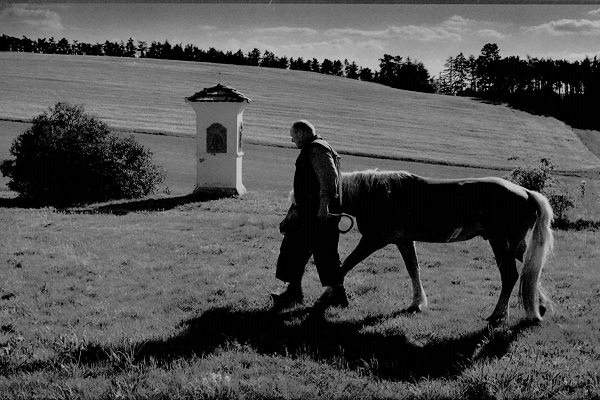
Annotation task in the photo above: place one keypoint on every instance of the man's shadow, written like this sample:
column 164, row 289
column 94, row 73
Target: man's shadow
column 294, row 334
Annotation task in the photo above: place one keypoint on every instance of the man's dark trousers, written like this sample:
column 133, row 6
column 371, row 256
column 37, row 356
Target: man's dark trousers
column 311, row 237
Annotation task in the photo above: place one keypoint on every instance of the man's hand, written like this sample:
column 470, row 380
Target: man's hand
column 324, row 209
column 291, row 219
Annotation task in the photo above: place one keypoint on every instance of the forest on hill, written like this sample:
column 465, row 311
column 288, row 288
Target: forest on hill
column 568, row 91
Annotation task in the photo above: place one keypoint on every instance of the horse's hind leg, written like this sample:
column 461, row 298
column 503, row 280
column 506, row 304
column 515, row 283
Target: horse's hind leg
column 407, row 249
column 505, row 259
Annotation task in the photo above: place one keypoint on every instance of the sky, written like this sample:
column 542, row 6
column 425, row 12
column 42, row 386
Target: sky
column 363, row 33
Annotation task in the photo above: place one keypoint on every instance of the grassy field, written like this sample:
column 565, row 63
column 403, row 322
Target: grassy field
column 174, row 304
column 167, row 297
column 358, row 117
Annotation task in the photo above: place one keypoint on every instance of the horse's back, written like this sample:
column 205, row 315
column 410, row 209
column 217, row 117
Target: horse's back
column 488, row 206
column 441, row 210
column 472, row 192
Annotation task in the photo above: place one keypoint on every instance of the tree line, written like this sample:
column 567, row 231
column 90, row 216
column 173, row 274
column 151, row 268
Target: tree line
column 394, row 71
column 569, row 91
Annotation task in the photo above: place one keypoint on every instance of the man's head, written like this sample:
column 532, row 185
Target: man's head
column 302, row 132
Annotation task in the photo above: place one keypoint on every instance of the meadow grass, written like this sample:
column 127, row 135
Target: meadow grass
column 111, row 301
column 167, row 297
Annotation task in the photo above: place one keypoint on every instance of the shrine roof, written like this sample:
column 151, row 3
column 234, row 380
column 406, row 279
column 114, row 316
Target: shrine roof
column 219, row 93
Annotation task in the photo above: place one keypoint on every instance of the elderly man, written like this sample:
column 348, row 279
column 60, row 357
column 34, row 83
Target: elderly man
column 313, row 231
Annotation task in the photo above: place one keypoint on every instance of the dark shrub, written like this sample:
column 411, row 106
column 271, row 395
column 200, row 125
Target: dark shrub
column 68, row 157
column 540, row 179
column 533, row 178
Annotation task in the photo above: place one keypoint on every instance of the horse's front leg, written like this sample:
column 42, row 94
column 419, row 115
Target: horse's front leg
column 366, row 246
column 508, row 274
column 407, row 249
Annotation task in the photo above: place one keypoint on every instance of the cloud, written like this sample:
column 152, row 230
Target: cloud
column 581, row 56
column 371, row 45
column 426, row 33
column 455, row 28
column 594, row 13
column 326, row 45
column 33, row 16
column 490, row 33
column 457, row 23
column 471, row 27
column 337, row 44
column 285, row 30
column 381, row 34
column 569, row 56
column 416, row 32
column 567, row 27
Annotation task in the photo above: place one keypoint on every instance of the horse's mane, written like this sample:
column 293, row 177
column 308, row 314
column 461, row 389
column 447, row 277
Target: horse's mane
column 358, row 184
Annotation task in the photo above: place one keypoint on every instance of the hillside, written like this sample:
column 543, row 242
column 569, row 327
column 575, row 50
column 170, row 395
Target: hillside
column 357, row 117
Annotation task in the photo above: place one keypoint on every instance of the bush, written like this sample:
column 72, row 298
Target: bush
column 561, row 203
column 533, row 178
column 67, row 157
column 540, row 179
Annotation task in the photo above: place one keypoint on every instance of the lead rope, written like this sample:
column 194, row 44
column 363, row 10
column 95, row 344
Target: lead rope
column 342, row 215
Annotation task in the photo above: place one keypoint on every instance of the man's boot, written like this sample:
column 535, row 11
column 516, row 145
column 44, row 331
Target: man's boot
column 333, row 296
column 290, row 296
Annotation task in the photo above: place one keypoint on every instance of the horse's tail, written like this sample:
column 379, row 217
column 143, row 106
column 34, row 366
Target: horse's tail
column 539, row 247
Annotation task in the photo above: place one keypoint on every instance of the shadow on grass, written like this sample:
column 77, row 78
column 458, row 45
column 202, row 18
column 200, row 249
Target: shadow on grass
column 386, row 356
column 150, row 205
column 123, row 207
column 579, row 225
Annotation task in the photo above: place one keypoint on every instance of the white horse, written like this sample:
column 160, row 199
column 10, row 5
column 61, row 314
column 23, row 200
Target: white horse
column 396, row 207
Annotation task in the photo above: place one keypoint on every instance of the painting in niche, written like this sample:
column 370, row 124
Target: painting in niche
column 216, row 139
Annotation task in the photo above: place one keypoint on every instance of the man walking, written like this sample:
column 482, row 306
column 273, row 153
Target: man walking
column 314, row 231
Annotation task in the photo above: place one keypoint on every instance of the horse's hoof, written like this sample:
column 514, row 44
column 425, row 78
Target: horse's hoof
column 534, row 321
column 411, row 310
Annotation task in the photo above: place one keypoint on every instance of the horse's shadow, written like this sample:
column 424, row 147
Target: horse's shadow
column 386, row 356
